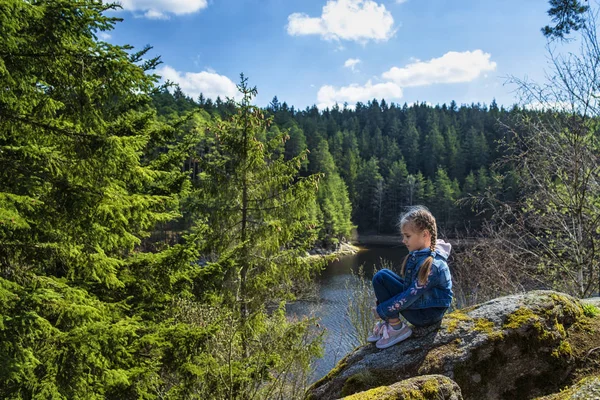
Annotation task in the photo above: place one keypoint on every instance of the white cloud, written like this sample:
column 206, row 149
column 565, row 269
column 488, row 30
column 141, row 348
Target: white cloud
column 104, row 36
column 351, row 63
column 210, row 84
column 452, row 67
column 161, row 9
column 358, row 20
column 329, row 95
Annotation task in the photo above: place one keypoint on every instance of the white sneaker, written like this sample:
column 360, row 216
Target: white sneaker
column 377, row 332
column 391, row 336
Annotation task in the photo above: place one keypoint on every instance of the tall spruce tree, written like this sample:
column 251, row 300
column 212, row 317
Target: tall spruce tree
column 332, row 198
column 86, row 171
column 255, row 223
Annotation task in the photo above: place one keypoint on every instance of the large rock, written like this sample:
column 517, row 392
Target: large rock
column 514, row 347
column 427, row 387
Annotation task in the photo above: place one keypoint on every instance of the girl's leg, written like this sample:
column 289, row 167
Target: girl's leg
column 386, row 284
column 424, row 316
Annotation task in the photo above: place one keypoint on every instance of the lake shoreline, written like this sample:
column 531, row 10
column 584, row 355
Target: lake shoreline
column 343, row 249
column 395, row 240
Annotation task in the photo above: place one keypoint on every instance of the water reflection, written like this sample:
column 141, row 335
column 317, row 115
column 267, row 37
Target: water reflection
column 335, row 285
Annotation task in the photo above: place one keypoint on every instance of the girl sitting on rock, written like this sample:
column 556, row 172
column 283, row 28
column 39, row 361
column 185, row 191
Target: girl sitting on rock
column 423, row 291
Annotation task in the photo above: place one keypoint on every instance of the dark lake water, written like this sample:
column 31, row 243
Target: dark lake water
column 334, row 293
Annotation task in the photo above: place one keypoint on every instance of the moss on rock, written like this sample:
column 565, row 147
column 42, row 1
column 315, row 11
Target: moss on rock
column 359, row 382
column 586, row 388
column 453, row 319
column 563, row 350
column 334, row 371
column 427, row 387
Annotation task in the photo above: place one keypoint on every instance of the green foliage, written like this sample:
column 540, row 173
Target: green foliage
column 87, row 171
column 251, row 209
column 567, row 15
column 369, row 195
column 590, row 310
column 332, row 198
column 93, row 306
column 254, row 221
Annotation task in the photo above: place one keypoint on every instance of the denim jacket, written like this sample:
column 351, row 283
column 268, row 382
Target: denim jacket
column 437, row 290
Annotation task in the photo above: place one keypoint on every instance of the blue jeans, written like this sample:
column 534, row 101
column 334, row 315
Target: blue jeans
column 388, row 284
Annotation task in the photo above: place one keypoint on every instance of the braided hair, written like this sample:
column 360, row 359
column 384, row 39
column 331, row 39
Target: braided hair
column 420, row 219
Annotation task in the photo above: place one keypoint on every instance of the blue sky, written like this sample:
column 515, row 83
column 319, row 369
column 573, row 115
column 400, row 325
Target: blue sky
column 327, row 51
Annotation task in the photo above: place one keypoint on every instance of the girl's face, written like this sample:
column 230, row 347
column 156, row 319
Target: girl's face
column 413, row 239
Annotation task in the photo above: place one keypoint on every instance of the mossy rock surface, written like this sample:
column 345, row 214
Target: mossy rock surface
column 427, row 387
column 514, row 347
column 586, row 389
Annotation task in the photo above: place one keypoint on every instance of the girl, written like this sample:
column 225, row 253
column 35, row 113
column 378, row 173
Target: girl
column 423, row 292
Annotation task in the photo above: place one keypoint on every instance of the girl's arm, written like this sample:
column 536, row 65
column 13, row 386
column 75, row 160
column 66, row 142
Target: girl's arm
column 391, row 307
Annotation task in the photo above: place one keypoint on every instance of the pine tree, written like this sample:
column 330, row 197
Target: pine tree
column 482, row 180
column 349, row 165
column 452, row 152
column 87, row 171
column 256, row 221
column 410, row 144
column 367, row 186
column 332, row 198
column 395, row 193
column 470, row 186
column 445, row 196
column 433, row 149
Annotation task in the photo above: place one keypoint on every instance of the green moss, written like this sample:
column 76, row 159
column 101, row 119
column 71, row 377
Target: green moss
column 435, row 358
column 584, row 388
column 380, row 393
column 560, row 328
column 412, row 394
column 358, row 382
column 486, row 326
column 586, row 324
column 569, row 306
column 524, row 316
column 452, row 325
column 431, row 388
column 419, row 388
column 563, row 350
column 520, row 317
column 454, row 318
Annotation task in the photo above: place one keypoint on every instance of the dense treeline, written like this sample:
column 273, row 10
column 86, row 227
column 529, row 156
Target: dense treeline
column 388, row 155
